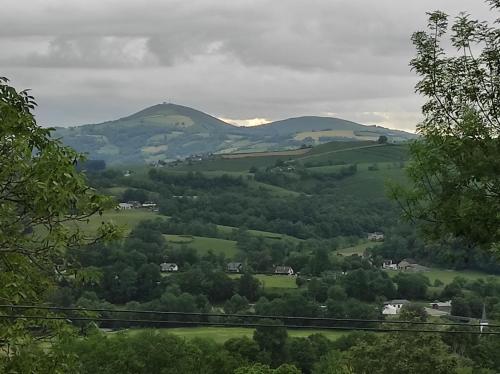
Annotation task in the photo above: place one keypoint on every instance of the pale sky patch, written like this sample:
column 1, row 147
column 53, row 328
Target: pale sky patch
column 246, row 122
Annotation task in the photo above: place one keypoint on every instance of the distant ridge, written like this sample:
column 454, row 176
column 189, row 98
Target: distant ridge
column 169, row 131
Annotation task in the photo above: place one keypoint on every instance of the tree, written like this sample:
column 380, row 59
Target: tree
column 236, row 304
column 455, row 168
column 382, row 139
column 248, row 286
column 244, row 347
column 332, row 363
column 411, row 286
column 413, row 312
column 271, row 340
column 402, row 354
column 41, row 194
column 302, row 354
column 265, row 369
column 132, row 194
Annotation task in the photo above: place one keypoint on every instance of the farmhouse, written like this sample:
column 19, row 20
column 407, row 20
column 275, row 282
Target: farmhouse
column 124, row 206
column 410, row 265
column 234, row 267
column 168, row 267
column 376, row 236
column 149, row 204
column 134, row 203
column 283, row 270
column 393, row 307
column 442, row 306
column 388, row 264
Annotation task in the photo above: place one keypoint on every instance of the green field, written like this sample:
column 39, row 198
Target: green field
column 265, row 234
column 221, row 334
column 370, row 184
column 366, row 153
column 358, row 249
column 364, row 166
column 125, row 218
column 272, row 281
column 447, row 276
column 203, row 244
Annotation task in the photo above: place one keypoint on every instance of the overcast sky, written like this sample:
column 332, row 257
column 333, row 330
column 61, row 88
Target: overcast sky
column 248, row 61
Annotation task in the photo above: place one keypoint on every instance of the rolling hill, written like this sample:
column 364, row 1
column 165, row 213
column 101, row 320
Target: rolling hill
column 169, row 132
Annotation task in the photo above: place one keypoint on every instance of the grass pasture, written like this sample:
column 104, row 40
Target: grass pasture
column 292, row 152
column 368, row 153
column 446, row 276
column 272, row 281
column 358, row 249
column 203, row 244
column 264, row 234
column 371, row 183
column 127, row 219
column 222, row 334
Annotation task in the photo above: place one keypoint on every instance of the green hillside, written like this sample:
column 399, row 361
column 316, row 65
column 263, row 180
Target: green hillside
column 164, row 131
column 169, row 132
column 327, row 127
column 328, row 154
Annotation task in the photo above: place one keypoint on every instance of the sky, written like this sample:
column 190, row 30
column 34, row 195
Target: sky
column 244, row 61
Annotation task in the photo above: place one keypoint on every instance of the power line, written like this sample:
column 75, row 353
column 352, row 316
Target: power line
column 234, row 324
column 260, row 316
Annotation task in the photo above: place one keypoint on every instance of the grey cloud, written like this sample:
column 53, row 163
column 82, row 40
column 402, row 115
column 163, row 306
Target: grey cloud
column 89, row 60
column 87, row 51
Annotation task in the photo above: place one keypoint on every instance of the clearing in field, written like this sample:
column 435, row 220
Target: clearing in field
column 358, row 249
column 272, row 281
column 446, row 276
column 127, row 219
column 292, row 152
column 221, row 334
column 203, row 244
column 264, row 234
column 336, row 134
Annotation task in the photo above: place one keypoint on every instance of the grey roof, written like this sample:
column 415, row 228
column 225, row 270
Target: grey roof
column 282, row 269
column 397, row 301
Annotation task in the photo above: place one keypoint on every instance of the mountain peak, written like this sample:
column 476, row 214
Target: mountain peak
column 168, row 131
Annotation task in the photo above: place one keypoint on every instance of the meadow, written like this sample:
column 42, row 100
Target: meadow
column 127, row 219
column 272, row 281
column 446, row 276
column 203, row 244
column 358, row 249
column 222, row 334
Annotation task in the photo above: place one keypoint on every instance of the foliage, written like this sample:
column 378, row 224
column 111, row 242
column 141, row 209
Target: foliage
column 402, row 354
column 455, row 167
column 41, row 194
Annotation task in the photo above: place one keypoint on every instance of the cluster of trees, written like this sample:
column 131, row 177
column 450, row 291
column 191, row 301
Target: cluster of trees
column 302, row 180
column 270, row 351
column 235, row 201
column 404, row 241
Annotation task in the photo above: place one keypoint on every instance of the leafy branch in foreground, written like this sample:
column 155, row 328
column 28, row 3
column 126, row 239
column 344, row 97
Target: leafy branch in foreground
column 455, row 167
column 42, row 197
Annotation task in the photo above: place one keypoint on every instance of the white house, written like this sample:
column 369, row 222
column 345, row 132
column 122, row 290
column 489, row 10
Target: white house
column 149, row 204
column 393, row 307
column 168, row 267
column 125, row 206
column 388, row 264
column 376, row 236
column 284, row 270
